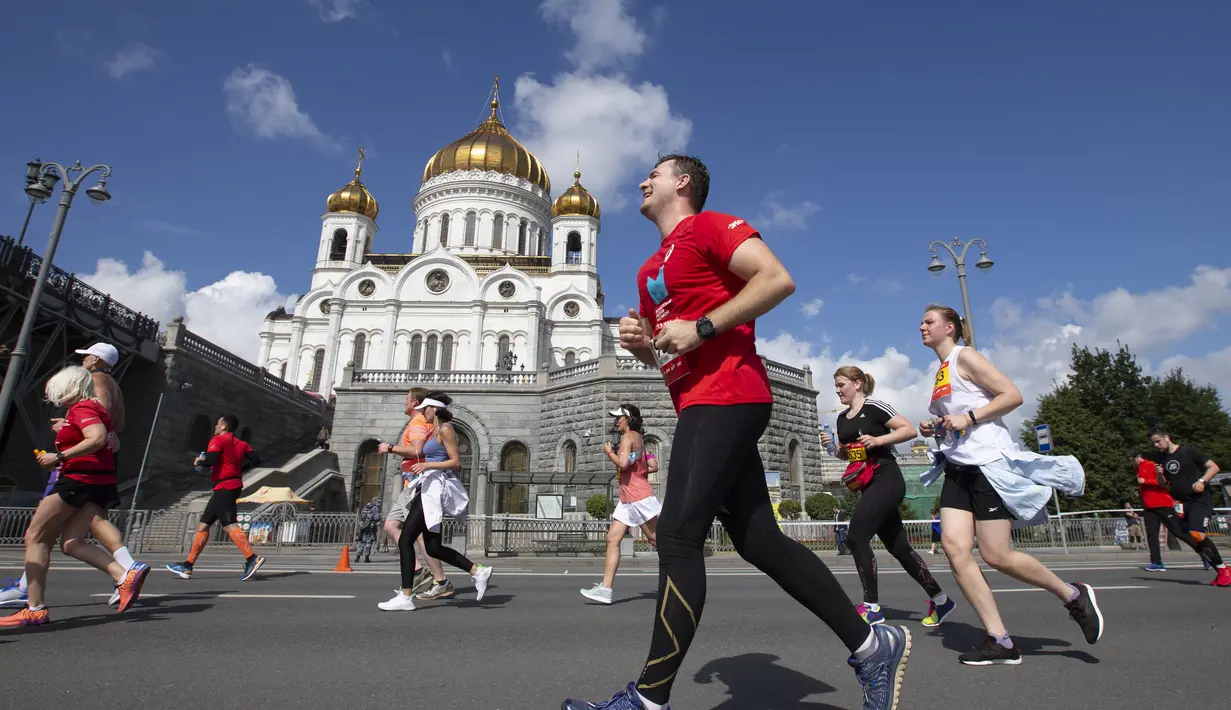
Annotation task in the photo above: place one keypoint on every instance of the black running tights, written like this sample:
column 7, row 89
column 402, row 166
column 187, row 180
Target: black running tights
column 1167, row 516
column 716, row 471
column 876, row 513
column 414, row 527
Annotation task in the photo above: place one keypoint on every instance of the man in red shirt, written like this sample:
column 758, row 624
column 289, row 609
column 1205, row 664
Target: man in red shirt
column 228, row 456
column 700, row 294
column 1159, row 509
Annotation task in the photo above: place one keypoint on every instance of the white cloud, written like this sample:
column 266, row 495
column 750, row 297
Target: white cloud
column 854, row 278
column 606, row 34
column 264, row 102
column 228, row 312
column 447, row 57
column 887, row 287
column 1033, row 346
column 132, row 58
column 777, row 214
column 812, row 308
column 337, row 10
column 617, row 126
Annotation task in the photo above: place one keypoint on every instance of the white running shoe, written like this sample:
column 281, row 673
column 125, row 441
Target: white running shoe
column 400, row 602
column 598, row 593
column 115, row 596
column 480, row 579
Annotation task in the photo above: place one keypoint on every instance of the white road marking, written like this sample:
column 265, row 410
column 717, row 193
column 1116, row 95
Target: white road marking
column 229, row 595
column 1036, row 589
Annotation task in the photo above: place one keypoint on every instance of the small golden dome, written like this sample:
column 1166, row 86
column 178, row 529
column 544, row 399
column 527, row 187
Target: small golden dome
column 354, row 197
column 576, row 200
column 489, row 147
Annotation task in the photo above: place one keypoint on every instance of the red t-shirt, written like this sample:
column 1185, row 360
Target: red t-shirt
column 228, row 473
column 688, row 277
column 98, row 467
column 1152, row 494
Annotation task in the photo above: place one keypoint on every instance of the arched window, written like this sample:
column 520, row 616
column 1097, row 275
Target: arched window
column 570, row 358
column 652, row 447
column 502, row 347
column 570, row 457
column 498, row 232
column 199, row 434
column 361, row 346
column 514, row 497
column 337, row 246
column 794, row 464
column 367, row 472
column 318, row 368
column 446, row 353
column 444, row 229
column 521, row 237
column 429, row 359
column 282, row 372
column 573, row 249
column 465, row 451
column 472, row 225
column 416, row 353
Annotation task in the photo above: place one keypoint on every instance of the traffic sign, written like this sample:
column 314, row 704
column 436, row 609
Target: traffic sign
column 1042, row 434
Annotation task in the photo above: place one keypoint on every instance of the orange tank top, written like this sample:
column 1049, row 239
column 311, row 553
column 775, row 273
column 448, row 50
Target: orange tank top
column 635, row 480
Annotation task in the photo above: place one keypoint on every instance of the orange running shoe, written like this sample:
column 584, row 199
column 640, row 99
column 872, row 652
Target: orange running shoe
column 130, row 588
column 26, row 617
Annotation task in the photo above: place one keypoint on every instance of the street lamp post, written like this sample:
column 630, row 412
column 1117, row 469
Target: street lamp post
column 141, row 473
column 48, row 180
column 958, row 252
column 39, row 190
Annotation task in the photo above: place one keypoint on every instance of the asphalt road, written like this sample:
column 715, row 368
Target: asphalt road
column 300, row 638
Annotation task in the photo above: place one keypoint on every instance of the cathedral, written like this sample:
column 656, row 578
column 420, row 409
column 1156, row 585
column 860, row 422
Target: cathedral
column 499, row 303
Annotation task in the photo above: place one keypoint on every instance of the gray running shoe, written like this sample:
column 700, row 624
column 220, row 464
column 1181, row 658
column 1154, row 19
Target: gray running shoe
column 598, row 593
column 438, row 590
column 423, row 579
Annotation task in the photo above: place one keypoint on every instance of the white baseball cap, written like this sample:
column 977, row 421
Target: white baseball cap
column 103, row 351
column 429, row 402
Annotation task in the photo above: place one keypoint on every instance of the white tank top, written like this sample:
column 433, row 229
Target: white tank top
column 954, row 394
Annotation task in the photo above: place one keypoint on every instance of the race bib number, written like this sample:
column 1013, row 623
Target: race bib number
column 943, row 386
column 856, row 452
column 673, row 366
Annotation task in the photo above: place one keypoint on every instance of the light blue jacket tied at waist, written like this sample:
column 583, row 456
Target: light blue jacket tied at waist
column 1024, row 480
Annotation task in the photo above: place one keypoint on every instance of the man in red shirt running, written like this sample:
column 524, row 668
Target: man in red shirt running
column 228, row 456
column 700, row 294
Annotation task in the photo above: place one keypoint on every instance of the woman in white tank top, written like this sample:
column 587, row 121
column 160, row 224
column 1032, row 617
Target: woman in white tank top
column 990, row 482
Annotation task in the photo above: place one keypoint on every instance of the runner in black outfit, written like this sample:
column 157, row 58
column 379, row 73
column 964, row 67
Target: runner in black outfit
column 868, row 429
column 1189, row 471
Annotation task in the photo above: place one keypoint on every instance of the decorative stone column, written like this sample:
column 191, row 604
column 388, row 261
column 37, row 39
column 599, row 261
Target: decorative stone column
column 336, row 306
column 391, row 324
column 292, row 367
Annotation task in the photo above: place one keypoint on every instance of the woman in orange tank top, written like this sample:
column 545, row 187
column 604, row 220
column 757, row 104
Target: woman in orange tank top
column 638, row 505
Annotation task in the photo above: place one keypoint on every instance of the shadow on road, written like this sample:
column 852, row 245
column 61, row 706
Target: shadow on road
column 624, row 600
column 265, row 577
column 147, row 611
column 755, row 681
column 1172, row 580
column 962, row 637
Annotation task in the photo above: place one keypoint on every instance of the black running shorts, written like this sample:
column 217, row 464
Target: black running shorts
column 79, row 495
column 223, row 507
column 1197, row 513
column 966, row 488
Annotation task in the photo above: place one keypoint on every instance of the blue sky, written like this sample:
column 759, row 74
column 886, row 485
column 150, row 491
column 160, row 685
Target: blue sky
column 1088, row 148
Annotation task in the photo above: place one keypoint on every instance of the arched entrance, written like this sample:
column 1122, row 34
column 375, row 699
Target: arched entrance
column 513, row 498
column 367, row 480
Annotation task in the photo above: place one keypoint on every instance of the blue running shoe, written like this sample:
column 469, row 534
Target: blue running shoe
column 937, row 613
column 626, row 699
column 13, row 595
column 1160, row 567
column 180, row 569
column 881, row 673
column 251, row 565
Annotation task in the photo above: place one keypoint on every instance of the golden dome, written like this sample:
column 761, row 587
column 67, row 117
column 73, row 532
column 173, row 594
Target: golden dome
column 489, row 147
column 354, row 197
column 576, row 200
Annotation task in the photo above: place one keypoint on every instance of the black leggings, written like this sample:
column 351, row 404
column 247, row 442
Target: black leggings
column 414, row 527
column 1166, row 516
column 716, row 470
column 876, row 513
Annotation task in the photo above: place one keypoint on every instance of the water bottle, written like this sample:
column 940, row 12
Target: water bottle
column 832, row 449
column 198, row 467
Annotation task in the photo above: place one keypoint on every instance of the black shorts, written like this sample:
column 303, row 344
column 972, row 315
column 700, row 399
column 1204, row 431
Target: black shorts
column 1197, row 513
column 223, row 507
column 79, row 495
column 966, row 488
column 935, row 535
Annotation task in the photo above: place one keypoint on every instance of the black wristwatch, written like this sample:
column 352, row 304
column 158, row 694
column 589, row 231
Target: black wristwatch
column 705, row 329
column 60, row 456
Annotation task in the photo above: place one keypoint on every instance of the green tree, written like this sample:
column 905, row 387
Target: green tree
column 1102, row 413
column 789, row 509
column 847, row 502
column 907, row 512
column 819, row 506
column 597, row 506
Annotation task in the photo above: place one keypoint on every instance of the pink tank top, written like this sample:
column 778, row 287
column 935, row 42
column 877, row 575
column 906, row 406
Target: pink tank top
column 635, row 480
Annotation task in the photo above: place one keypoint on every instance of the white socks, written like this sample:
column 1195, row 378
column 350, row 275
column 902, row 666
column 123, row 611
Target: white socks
column 868, row 647
column 649, row 705
column 872, row 607
column 940, row 599
column 126, row 560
